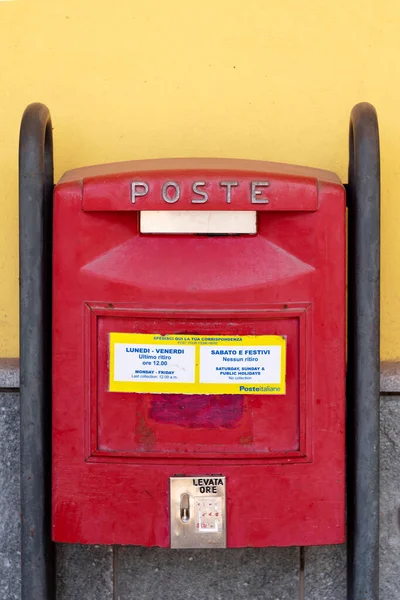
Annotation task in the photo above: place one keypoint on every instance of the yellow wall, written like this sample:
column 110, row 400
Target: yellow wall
column 262, row 79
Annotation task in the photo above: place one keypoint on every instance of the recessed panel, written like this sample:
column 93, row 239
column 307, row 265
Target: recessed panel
column 217, row 407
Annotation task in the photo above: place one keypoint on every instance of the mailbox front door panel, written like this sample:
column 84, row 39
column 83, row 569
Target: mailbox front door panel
column 281, row 455
column 157, row 425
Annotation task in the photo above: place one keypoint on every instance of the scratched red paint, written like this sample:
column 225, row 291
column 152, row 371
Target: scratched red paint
column 210, row 411
column 257, row 431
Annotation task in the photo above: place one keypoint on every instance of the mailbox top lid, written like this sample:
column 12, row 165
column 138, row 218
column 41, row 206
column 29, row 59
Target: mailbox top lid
column 198, row 164
column 231, row 184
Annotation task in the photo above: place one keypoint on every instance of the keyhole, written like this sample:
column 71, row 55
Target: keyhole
column 185, row 508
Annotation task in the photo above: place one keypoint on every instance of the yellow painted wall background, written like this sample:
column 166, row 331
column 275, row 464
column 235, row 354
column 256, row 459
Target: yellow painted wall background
column 262, row 79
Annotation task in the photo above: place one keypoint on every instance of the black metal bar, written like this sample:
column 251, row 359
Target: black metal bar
column 363, row 354
column 35, row 230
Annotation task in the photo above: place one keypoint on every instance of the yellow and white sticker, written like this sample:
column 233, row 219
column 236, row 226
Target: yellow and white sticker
column 197, row 364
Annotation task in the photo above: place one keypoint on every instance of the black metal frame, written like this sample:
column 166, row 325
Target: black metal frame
column 363, row 370
column 35, row 231
column 36, row 191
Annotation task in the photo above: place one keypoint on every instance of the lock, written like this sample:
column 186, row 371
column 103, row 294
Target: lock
column 185, row 508
column 198, row 512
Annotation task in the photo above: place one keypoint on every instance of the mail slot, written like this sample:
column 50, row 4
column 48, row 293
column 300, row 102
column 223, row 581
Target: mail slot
column 199, row 366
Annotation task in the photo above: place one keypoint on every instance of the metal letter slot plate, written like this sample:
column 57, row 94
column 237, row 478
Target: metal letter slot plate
column 195, row 221
column 198, row 511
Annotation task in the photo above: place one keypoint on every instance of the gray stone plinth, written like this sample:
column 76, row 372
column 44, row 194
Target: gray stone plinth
column 162, row 574
column 84, row 572
column 390, row 377
column 9, row 373
column 10, row 556
column 127, row 573
column 325, row 573
column 390, row 499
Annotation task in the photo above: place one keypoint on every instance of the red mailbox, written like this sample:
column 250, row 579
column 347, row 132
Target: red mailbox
column 199, row 377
